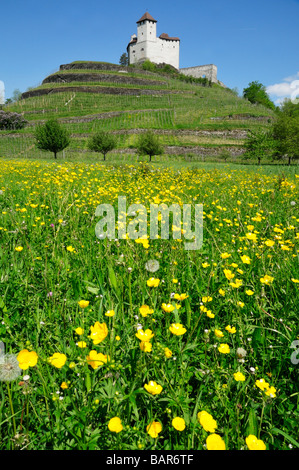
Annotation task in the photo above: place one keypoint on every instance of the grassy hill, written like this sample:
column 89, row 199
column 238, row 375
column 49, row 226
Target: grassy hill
column 193, row 118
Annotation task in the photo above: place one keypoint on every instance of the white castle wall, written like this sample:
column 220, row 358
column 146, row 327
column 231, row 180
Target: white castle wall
column 208, row 71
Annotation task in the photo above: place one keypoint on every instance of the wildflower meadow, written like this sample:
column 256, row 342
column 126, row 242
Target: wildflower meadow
column 140, row 344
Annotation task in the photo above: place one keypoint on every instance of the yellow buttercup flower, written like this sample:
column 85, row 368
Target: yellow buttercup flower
column 215, row 442
column 230, row 329
column 224, row 348
column 153, row 388
column 167, row 352
column 237, row 283
column 83, row 303
column 115, row 425
column 249, row 292
column 178, row 424
column 267, row 279
column 253, row 443
column 239, row 377
column 57, row 360
column 145, row 346
column 251, row 236
column 154, row 428
column 168, row 307
column 228, row 274
column 110, row 313
column 95, row 359
column 271, row 392
column 177, row 329
column 180, row 296
column 27, row 359
column 207, row 421
column 144, row 336
column 145, row 310
column 79, row 331
column 262, row 384
column 152, row 282
column 18, row 248
column 210, row 314
column 245, row 259
column 218, row 333
column 99, row 331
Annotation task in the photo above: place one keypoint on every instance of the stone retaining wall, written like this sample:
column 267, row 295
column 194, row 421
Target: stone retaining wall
column 99, row 77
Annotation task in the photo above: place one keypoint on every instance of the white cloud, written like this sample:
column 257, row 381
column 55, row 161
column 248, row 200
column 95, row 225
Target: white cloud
column 287, row 89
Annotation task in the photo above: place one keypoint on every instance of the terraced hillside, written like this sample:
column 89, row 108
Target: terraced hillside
column 194, row 119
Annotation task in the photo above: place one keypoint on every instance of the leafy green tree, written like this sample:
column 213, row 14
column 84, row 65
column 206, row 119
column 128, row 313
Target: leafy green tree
column 51, row 137
column 288, row 108
column 149, row 144
column 286, row 134
column 102, row 142
column 124, row 59
column 256, row 94
column 260, row 145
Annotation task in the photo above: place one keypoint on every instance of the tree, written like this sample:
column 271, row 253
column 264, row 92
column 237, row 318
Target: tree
column 288, row 108
column 286, row 133
column 124, row 59
column 16, row 95
column 149, row 144
column 51, row 137
column 256, row 94
column 260, row 144
column 102, row 142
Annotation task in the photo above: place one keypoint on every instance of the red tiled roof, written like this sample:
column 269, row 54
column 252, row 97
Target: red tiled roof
column 165, row 36
column 146, row 16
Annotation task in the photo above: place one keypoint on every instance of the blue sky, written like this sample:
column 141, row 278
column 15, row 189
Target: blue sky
column 247, row 40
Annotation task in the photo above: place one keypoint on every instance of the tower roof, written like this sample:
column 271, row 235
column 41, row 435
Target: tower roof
column 146, row 16
column 165, row 36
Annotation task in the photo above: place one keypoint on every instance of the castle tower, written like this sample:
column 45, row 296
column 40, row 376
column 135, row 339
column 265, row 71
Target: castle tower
column 146, row 28
column 146, row 45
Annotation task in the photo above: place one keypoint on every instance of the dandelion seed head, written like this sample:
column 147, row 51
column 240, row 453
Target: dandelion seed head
column 152, row 265
column 9, row 368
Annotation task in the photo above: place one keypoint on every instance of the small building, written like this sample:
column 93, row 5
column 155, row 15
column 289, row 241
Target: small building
column 147, row 46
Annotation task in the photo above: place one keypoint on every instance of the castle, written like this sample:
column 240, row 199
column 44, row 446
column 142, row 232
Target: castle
column 163, row 49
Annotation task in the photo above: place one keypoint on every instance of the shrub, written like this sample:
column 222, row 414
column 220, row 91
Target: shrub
column 149, row 66
column 11, row 121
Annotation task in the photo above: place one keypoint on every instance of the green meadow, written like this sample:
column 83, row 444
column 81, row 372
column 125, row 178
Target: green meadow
column 121, row 343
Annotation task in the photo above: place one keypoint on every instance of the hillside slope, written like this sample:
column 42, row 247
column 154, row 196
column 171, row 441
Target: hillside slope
column 191, row 117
